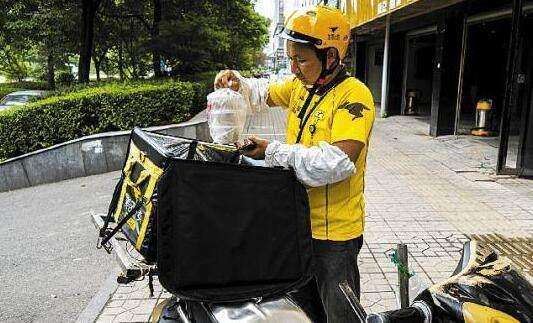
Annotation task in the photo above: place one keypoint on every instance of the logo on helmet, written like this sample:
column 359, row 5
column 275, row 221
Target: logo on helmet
column 333, row 36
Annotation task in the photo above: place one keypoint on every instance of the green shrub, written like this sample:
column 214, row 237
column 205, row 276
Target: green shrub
column 111, row 107
column 6, row 89
column 204, row 85
column 65, row 78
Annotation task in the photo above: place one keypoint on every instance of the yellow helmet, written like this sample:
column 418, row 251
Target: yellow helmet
column 320, row 26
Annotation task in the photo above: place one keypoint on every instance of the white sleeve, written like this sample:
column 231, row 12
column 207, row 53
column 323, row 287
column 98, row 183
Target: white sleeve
column 314, row 166
column 255, row 91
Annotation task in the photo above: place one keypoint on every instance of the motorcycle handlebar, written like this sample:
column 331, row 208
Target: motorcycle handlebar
column 419, row 312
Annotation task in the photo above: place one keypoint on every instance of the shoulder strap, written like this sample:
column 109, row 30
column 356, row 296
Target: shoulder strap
column 192, row 149
column 312, row 92
column 107, row 235
column 112, row 206
column 302, row 116
column 304, row 121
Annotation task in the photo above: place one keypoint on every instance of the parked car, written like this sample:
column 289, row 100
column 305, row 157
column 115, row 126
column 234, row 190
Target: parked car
column 20, row 98
column 262, row 75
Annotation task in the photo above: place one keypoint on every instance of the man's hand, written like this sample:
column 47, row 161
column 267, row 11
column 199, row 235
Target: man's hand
column 258, row 147
column 227, row 79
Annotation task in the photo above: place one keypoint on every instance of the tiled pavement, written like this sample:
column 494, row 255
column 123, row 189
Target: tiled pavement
column 432, row 194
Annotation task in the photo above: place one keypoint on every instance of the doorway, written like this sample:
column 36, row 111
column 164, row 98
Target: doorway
column 487, row 48
column 418, row 71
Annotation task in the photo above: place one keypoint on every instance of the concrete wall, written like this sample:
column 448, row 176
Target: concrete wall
column 95, row 154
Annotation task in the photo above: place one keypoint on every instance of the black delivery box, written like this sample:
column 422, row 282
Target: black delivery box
column 218, row 228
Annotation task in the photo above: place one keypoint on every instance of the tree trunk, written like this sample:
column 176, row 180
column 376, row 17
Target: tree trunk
column 97, row 63
column 121, row 61
column 154, row 35
column 98, row 59
column 134, row 73
column 133, row 54
column 89, row 8
column 51, row 72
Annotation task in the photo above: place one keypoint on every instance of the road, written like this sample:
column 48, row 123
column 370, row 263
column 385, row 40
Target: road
column 49, row 266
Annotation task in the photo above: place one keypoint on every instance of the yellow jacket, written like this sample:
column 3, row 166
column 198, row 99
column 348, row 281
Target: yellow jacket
column 344, row 112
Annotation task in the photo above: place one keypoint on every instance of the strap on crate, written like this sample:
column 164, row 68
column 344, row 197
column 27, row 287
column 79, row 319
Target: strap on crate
column 192, row 149
column 106, row 235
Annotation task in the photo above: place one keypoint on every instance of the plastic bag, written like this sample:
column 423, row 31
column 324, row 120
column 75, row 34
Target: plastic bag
column 255, row 89
column 226, row 115
column 417, row 284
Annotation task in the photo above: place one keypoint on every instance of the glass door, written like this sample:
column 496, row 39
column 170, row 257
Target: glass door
column 525, row 148
column 512, row 125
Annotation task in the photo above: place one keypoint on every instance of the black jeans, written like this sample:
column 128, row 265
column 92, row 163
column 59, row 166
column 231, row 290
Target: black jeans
column 336, row 261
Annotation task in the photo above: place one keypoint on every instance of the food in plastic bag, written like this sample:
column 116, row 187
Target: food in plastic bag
column 226, row 115
column 255, row 90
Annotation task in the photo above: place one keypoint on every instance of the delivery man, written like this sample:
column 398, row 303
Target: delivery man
column 330, row 118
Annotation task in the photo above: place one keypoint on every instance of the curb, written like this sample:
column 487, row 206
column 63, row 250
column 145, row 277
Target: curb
column 98, row 302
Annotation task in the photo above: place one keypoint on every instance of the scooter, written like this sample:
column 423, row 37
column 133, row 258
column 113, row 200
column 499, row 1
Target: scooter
column 483, row 289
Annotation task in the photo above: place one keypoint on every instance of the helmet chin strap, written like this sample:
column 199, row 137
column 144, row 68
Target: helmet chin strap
column 325, row 70
column 319, row 82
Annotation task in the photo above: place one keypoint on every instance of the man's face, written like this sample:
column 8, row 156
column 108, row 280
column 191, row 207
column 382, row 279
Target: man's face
column 305, row 64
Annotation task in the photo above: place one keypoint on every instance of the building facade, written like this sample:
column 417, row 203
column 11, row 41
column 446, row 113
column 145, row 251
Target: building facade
column 305, row 3
column 458, row 63
column 278, row 58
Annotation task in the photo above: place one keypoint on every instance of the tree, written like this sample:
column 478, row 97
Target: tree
column 13, row 64
column 204, row 35
column 129, row 48
column 252, row 34
column 53, row 30
column 89, row 9
column 149, row 14
column 37, row 32
column 13, row 50
column 105, row 36
column 260, row 59
column 154, row 38
column 129, row 36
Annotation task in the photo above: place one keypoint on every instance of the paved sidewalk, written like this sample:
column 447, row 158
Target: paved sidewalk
column 432, row 194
